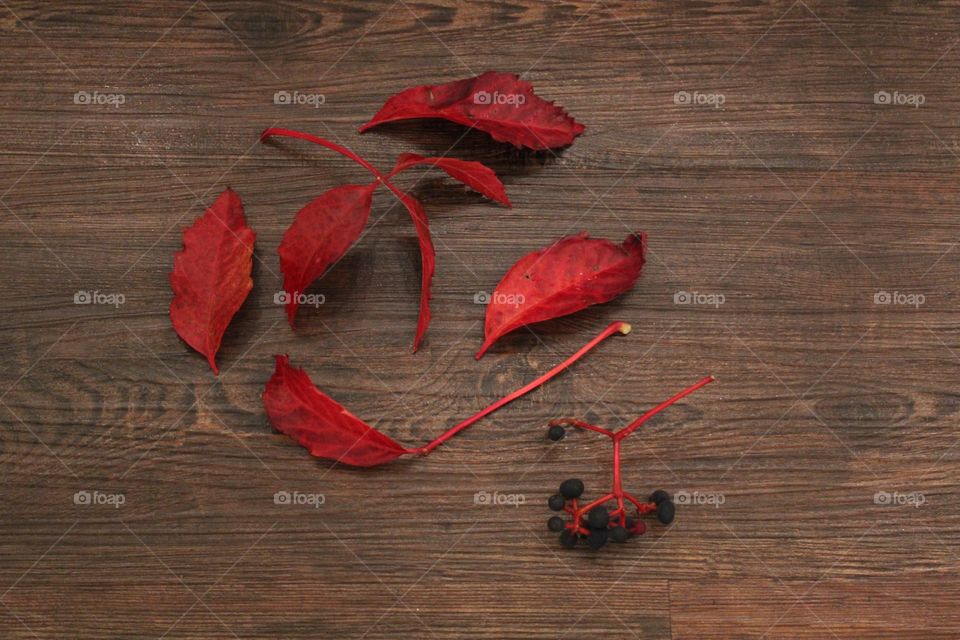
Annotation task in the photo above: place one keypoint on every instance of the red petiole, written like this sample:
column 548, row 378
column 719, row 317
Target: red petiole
column 622, row 328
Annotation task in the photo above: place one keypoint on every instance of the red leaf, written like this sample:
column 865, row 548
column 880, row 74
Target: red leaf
column 428, row 261
column 500, row 104
column 475, row 175
column 320, row 234
column 569, row 275
column 327, row 430
column 211, row 275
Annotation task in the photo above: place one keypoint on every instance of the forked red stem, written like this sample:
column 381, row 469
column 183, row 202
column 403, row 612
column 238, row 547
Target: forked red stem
column 617, row 492
column 333, row 146
column 616, row 327
column 323, row 142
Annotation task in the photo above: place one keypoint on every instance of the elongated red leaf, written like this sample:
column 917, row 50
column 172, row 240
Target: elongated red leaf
column 327, row 430
column 320, row 234
column 475, row 175
column 569, row 275
column 500, row 104
column 428, row 261
column 211, row 275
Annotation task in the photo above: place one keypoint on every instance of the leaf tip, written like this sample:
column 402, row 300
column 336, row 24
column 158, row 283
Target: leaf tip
column 483, row 348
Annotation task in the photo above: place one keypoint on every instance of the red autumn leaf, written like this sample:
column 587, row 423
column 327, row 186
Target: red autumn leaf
column 475, row 175
column 428, row 261
column 500, row 104
column 569, row 275
column 211, row 275
column 300, row 410
column 320, row 234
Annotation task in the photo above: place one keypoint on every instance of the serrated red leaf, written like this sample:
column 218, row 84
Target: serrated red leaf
column 327, row 430
column 569, row 275
column 211, row 275
column 500, row 104
column 475, row 175
column 428, row 261
column 320, row 234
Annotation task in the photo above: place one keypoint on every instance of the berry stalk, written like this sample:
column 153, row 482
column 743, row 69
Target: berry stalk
column 633, row 426
column 593, row 521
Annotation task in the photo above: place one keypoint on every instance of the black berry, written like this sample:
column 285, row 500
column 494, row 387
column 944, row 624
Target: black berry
column 659, row 496
column 556, row 432
column 619, row 534
column 598, row 538
column 556, row 502
column 666, row 510
column 555, row 524
column 568, row 539
column 598, row 517
column 571, row 488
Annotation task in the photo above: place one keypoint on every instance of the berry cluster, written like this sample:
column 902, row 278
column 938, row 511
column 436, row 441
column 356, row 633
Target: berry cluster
column 599, row 522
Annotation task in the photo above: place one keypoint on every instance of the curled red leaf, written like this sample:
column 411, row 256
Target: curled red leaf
column 211, row 275
column 500, row 104
column 297, row 408
column 321, row 233
column 428, row 261
column 475, row 175
column 569, row 275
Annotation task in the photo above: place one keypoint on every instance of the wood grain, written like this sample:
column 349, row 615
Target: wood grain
column 798, row 200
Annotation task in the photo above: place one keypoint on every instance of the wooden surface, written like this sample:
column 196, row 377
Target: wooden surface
column 798, row 200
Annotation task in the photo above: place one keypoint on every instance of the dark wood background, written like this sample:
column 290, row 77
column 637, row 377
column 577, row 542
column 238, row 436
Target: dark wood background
column 798, row 200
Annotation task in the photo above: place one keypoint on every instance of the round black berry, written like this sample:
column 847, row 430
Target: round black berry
column 619, row 534
column 630, row 523
column 556, row 502
column 571, row 488
column 659, row 496
column 666, row 510
column 598, row 538
column 555, row 524
column 568, row 539
column 598, row 517
column 556, row 432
